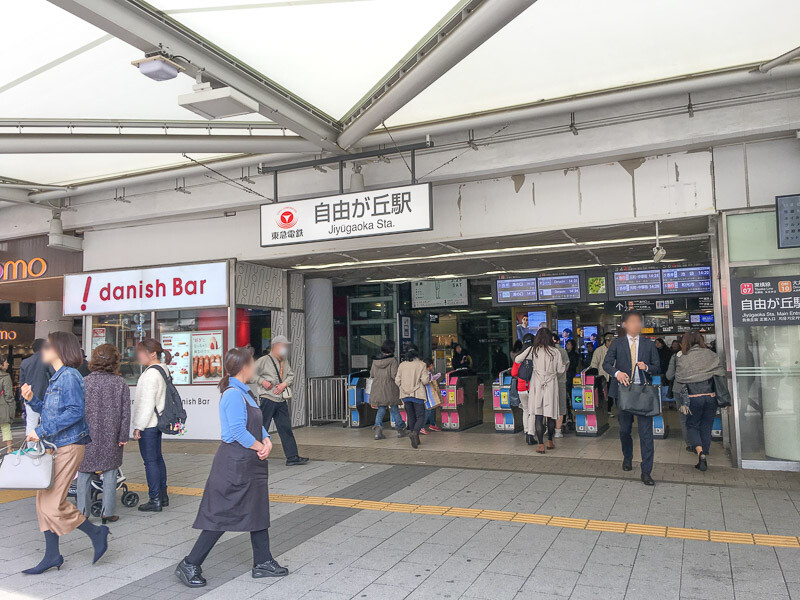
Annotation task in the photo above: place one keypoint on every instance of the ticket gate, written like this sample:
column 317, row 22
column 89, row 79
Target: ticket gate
column 361, row 413
column 716, row 427
column 507, row 418
column 460, row 408
column 660, row 427
column 589, row 405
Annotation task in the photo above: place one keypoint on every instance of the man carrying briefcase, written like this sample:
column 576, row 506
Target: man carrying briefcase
column 629, row 360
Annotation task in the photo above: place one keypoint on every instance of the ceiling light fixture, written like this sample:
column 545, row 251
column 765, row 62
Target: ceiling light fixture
column 217, row 103
column 157, row 67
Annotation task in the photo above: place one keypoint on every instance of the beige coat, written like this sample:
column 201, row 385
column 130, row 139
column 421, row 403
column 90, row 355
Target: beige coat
column 598, row 357
column 266, row 371
column 544, row 386
column 411, row 379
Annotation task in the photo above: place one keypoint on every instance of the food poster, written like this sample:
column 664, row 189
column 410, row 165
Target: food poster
column 178, row 345
column 206, row 356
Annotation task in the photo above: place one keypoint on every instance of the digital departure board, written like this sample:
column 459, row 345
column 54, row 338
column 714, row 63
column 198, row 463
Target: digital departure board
column 516, row 290
column 686, row 280
column 629, row 284
column 559, row 287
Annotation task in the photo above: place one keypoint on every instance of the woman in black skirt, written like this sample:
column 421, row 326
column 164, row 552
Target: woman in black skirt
column 236, row 497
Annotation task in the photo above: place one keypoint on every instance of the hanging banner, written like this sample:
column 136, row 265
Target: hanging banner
column 138, row 290
column 765, row 301
column 362, row 214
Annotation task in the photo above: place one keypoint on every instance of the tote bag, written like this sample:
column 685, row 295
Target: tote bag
column 642, row 399
column 28, row 468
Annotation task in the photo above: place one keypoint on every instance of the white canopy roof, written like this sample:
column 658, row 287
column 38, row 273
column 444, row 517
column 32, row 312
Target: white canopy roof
column 331, row 53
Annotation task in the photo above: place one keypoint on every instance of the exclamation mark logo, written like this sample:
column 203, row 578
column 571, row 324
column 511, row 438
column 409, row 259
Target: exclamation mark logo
column 86, row 292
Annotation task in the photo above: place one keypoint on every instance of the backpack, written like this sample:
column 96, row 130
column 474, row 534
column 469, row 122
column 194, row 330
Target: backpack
column 172, row 420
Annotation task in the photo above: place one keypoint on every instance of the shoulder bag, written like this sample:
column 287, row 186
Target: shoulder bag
column 642, row 399
column 287, row 392
column 28, row 468
column 525, row 371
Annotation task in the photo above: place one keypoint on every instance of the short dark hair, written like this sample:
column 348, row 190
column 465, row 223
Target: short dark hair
column 68, row 348
column 632, row 313
column 388, row 347
column 428, row 362
column 37, row 344
column 105, row 359
column 3, row 359
column 412, row 352
column 690, row 339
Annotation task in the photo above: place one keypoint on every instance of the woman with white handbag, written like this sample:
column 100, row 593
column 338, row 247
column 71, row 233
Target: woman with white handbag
column 63, row 425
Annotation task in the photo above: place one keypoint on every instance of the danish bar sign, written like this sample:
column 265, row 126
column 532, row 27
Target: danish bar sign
column 160, row 288
column 377, row 212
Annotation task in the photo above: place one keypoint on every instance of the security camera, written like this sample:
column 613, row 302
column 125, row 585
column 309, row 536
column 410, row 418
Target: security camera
column 659, row 252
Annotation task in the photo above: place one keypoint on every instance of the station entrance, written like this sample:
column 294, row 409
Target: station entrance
column 467, row 307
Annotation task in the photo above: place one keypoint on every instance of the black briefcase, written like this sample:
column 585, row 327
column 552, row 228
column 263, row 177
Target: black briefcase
column 642, row 399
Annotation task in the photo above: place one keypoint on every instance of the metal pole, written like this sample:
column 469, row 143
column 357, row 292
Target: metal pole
column 413, row 167
column 341, row 177
column 275, row 187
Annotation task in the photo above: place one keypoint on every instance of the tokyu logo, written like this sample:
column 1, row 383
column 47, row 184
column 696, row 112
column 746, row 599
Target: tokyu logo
column 287, row 218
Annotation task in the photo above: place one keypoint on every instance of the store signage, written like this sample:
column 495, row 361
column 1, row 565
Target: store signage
column 765, row 301
column 16, row 269
column 7, row 336
column 201, row 403
column 137, row 290
column 377, row 212
column 448, row 292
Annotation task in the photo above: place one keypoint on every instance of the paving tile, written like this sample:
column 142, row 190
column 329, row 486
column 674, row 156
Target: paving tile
column 495, row 586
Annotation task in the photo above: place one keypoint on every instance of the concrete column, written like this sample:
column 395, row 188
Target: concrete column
column 319, row 327
column 50, row 318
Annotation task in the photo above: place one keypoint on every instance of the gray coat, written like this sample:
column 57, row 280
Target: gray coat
column 384, row 390
column 8, row 407
column 268, row 368
column 108, row 413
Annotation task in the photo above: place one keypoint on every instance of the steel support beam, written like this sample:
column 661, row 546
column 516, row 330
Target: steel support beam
column 143, row 27
column 22, row 124
column 100, row 143
column 475, row 27
column 19, row 195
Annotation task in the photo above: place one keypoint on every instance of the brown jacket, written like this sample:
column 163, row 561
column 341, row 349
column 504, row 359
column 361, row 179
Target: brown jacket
column 411, row 379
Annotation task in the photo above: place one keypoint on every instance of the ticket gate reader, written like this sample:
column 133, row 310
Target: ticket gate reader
column 361, row 413
column 460, row 408
column 589, row 404
column 660, row 427
column 507, row 418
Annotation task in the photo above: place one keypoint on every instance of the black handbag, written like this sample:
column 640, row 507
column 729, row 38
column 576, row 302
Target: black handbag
column 513, row 393
column 641, row 399
column 525, row 371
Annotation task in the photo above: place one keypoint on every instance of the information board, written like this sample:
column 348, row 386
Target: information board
column 448, row 292
column 178, row 344
column 516, row 290
column 766, row 301
column 559, row 287
column 628, row 284
column 686, row 280
column 787, row 210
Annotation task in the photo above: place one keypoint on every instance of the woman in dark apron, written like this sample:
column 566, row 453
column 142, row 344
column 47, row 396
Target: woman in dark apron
column 236, row 497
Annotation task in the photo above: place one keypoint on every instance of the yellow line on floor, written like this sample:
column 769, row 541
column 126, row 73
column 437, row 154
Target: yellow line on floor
column 705, row 535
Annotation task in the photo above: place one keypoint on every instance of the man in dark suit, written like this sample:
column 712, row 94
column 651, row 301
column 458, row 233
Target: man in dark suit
column 36, row 374
column 629, row 357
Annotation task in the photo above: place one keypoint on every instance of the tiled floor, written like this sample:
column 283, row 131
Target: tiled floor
column 339, row 553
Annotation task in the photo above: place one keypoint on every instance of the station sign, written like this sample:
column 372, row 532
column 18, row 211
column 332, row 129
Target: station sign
column 765, row 301
column 144, row 290
column 362, row 214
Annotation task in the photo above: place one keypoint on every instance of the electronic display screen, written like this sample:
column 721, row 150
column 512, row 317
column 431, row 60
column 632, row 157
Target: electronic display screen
column 516, row 290
column 629, row 284
column 564, row 331
column 701, row 319
column 559, row 287
column 686, row 280
column 530, row 322
column 590, row 334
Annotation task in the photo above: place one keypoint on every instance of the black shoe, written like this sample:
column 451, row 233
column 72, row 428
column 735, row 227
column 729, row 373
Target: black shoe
column 297, row 460
column 190, row 575
column 414, row 440
column 271, row 568
column 45, row 565
column 647, row 480
column 379, row 432
column 164, row 500
column 529, row 439
column 153, row 506
column 402, row 432
column 627, row 465
column 702, row 464
column 690, row 449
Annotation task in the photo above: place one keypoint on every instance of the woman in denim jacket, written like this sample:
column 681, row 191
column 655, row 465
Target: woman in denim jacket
column 63, row 425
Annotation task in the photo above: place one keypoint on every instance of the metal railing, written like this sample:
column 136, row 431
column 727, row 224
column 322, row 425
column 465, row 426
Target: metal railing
column 327, row 400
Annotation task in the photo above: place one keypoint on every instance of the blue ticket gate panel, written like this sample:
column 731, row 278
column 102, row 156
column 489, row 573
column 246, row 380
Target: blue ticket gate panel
column 507, row 418
column 589, row 405
column 361, row 413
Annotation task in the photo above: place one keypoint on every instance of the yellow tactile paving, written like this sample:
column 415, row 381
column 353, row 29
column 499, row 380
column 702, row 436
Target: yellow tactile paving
column 724, row 537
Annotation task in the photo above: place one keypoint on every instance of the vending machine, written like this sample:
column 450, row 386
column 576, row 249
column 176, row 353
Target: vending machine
column 460, row 408
column 507, row 418
column 361, row 413
column 589, row 405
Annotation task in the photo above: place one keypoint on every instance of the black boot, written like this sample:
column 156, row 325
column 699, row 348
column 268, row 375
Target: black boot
column 270, row 568
column 164, row 499
column 529, row 439
column 52, row 557
column 154, row 505
column 190, row 575
column 99, row 537
column 297, row 460
column 379, row 432
column 414, row 439
column 702, row 464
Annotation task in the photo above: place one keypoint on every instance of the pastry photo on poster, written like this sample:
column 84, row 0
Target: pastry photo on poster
column 206, row 356
column 178, row 345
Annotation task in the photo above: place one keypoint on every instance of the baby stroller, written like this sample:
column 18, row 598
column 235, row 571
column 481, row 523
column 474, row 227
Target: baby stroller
column 129, row 499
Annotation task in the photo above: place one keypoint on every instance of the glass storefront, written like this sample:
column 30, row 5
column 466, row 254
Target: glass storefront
column 765, row 356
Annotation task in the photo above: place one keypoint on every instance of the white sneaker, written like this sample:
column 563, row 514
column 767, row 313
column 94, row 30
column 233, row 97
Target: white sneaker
column 558, row 434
